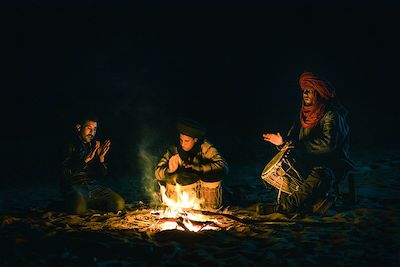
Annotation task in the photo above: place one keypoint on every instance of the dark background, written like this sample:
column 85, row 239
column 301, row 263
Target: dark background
column 234, row 66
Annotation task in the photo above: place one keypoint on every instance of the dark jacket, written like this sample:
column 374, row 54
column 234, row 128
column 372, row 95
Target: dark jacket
column 75, row 170
column 326, row 144
column 207, row 156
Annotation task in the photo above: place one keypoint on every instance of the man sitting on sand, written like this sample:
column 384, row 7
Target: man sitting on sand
column 83, row 163
column 193, row 160
column 321, row 148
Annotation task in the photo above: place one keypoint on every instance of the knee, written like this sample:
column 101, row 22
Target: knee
column 76, row 204
column 322, row 177
column 118, row 203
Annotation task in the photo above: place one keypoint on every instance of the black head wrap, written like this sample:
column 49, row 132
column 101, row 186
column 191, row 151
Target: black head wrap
column 190, row 128
column 193, row 129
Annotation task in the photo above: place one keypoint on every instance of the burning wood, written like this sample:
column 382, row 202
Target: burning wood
column 183, row 212
column 196, row 224
column 217, row 214
column 179, row 213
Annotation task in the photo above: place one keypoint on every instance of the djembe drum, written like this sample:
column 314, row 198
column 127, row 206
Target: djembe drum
column 281, row 173
column 210, row 195
column 190, row 190
column 184, row 183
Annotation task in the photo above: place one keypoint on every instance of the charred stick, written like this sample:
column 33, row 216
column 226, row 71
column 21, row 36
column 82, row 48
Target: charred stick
column 229, row 216
column 180, row 220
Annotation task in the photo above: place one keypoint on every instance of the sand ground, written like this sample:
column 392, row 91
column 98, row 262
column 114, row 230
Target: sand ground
column 36, row 233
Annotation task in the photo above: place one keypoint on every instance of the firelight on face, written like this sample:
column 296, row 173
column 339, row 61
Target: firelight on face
column 308, row 97
column 187, row 142
column 87, row 131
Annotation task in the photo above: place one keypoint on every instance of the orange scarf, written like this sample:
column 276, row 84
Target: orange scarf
column 310, row 115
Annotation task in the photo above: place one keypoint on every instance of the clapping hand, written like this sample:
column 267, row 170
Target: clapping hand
column 92, row 153
column 174, row 163
column 103, row 149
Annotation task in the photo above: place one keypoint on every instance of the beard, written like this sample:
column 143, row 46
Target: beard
column 88, row 138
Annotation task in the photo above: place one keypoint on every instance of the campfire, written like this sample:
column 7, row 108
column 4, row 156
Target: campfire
column 189, row 208
column 183, row 212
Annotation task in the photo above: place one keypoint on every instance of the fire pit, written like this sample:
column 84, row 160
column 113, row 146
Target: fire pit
column 183, row 212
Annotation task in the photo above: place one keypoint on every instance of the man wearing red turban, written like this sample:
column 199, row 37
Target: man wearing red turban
column 321, row 147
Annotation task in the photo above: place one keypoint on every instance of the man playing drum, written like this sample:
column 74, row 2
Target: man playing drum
column 194, row 162
column 321, row 148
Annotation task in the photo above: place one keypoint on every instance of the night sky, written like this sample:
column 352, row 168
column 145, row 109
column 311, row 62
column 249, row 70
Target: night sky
column 233, row 66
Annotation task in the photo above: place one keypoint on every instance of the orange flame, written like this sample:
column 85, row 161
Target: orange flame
column 180, row 208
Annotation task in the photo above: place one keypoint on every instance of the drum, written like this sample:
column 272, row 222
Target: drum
column 191, row 191
column 210, row 195
column 281, row 173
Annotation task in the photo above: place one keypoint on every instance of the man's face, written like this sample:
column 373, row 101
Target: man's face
column 187, row 142
column 87, row 131
column 309, row 97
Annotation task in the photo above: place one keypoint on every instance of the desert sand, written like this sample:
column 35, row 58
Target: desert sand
column 35, row 232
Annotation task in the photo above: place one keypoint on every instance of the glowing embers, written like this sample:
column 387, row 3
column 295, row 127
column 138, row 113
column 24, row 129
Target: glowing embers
column 182, row 211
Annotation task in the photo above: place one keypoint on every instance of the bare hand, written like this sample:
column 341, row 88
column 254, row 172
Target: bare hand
column 174, row 163
column 275, row 139
column 102, row 151
column 92, row 153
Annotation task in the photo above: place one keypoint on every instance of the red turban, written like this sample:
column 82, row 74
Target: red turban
column 310, row 115
column 310, row 81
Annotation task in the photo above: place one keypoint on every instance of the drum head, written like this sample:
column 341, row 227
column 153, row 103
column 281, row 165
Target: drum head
column 273, row 161
column 281, row 174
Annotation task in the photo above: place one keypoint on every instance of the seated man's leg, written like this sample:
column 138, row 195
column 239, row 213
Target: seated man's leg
column 316, row 185
column 103, row 198
column 115, row 202
column 75, row 199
